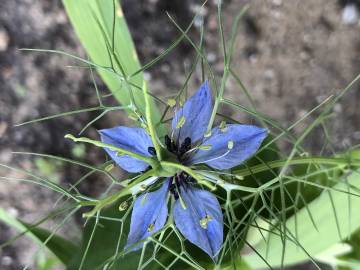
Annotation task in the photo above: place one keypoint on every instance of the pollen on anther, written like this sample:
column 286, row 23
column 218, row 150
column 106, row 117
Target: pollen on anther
column 151, row 227
column 230, row 145
column 205, row 147
column 123, row 206
column 181, row 122
column 223, row 127
column 207, row 134
column 109, row 167
column 204, row 221
column 171, row 102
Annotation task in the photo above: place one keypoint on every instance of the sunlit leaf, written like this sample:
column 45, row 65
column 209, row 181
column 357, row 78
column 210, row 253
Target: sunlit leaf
column 308, row 242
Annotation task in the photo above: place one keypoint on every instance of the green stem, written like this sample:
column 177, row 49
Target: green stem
column 149, row 122
column 296, row 161
column 148, row 160
column 113, row 198
column 219, row 97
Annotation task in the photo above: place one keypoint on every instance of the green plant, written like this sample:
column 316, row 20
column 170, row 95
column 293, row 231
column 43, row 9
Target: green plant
column 279, row 208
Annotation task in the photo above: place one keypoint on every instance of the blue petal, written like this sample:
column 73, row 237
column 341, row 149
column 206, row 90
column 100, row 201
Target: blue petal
column 197, row 112
column 130, row 138
column 246, row 141
column 199, row 204
column 150, row 209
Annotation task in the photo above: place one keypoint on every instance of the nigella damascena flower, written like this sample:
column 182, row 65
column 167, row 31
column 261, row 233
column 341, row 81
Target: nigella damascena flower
column 197, row 213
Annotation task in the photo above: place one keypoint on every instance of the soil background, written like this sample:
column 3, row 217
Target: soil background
column 291, row 55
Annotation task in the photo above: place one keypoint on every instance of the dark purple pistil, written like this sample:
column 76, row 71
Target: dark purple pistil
column 152, row 151
column 175, row 149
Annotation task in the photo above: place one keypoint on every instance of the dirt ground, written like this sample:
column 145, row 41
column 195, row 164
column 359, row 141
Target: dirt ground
column 291, row 55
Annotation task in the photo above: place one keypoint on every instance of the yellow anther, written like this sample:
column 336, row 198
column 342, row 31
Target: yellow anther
column 133, row 116
column 205, row 147
column 207, row 134
column 151, row 227
column 123, row 206
column 181, row 122
column 182, row 101
column 171, row 102
column 230, row 145
column 204, row 221
column 220, row 182
column 223, row 127
column 109, row 167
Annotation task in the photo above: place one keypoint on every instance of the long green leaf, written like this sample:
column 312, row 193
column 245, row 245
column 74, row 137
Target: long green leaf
column 60, row 247
column 308, row 241
column 109, row 44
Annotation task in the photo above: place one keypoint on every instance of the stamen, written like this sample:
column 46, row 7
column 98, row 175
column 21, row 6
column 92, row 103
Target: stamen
column 171, row 102
column 152, row 151
column 151, row 227
column 223, row 127
column 123, row 206
column 143, row 187
column 204, row 221
column 109, row 167
column 181, row 122
column 182, row 101
column 182, row 202
column 133, row 116
column 215, row 158
column 205, row 147
column 207, row 134
column 230, row 145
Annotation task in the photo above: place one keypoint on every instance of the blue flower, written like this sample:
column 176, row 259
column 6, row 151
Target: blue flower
column 197, row 213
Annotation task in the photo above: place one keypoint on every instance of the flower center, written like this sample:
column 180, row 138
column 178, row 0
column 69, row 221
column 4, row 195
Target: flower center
column 181, row 179
column 178, row 150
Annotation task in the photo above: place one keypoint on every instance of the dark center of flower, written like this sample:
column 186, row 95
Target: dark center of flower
column 178, row 150
column 182, row 179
